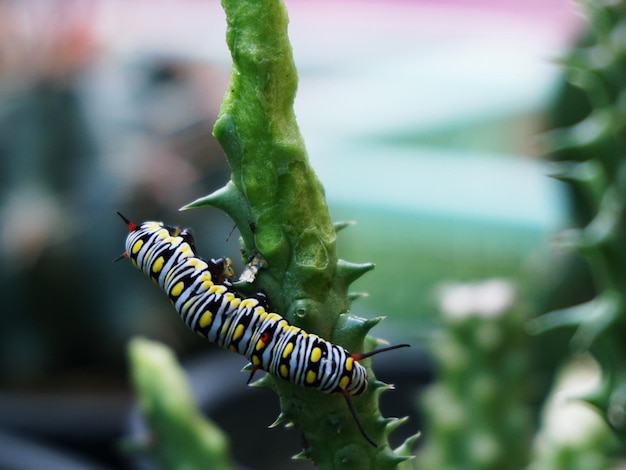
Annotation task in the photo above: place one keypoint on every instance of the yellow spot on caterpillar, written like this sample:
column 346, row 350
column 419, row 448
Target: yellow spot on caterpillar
column 316, row 355
column 232, row 300
column 238, row 332
column 260, row 344
column 136, row 247
column 134, row 262
column 158, row 264
column 197, row 263
column 349, row 364
column 248, row 303
column 310, row 377
column 199, row 333
column 232, row 348
column 343, row 383
column 205, row 281
column 287, row 350
column 177, row 289
column 256, row 361
column 206, row 319
column 284, row 371
column 217, row 289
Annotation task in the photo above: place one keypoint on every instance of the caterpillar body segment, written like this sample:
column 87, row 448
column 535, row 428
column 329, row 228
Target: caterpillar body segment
column 207, row 302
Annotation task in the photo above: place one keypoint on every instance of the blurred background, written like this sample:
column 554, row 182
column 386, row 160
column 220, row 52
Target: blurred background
column 421, row 120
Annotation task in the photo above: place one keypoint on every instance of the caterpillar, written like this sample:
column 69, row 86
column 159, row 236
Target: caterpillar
column 208, row 303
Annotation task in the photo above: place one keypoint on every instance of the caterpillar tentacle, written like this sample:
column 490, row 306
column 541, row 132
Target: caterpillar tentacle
column 208, row 303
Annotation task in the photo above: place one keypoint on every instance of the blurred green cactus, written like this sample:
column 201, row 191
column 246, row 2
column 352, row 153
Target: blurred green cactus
column 178, row 435
column 477, row 412
column 279, row 208
column 574, row 437
column 591, row 159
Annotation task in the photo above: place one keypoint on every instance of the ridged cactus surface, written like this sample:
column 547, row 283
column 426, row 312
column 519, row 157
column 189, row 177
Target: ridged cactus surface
column 279, row 208
column 591, row 158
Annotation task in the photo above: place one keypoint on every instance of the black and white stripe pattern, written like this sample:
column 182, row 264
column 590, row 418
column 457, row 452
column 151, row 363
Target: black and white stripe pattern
column 209, row 305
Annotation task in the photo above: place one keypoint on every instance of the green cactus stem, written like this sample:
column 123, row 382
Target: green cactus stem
column 278, row 205
column 477, row 412
column 179, row 436
column 574, row 437
column 591, row 159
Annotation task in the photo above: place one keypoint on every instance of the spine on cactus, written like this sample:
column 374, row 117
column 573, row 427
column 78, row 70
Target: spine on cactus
column 591, row 159
column 278, row 205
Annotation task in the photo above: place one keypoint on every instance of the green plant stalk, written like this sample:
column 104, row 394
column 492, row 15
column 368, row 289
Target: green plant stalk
column 591, row 159
column 477, row 412
column 278, row 205
column 179, row 436
column 573, row 437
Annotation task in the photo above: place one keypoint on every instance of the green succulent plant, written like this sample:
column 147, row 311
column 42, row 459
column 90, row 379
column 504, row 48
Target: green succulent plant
column 590, row 157
column 178, row 435
column 278, row 205
column 477, row 412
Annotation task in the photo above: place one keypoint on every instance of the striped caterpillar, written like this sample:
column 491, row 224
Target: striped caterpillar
column 210, row 306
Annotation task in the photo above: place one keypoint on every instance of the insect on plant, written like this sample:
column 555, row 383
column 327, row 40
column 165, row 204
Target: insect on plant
column 208, row 303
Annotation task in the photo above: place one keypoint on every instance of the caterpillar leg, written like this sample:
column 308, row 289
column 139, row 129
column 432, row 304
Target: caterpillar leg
column 348, row 398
